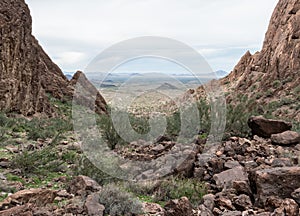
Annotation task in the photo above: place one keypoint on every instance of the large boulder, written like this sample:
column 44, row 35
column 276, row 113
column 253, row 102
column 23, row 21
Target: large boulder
column 280, row 181
column 266, row 127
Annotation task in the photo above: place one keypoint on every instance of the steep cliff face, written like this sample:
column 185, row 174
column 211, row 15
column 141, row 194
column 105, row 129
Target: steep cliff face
column 27, row 74
column 273, row 74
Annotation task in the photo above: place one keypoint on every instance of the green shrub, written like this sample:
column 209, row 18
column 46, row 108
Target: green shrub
column 46, row 128
column 276, row 83
column 177, row 187
column 38, row 162
column 118, row 202
column 85, row 167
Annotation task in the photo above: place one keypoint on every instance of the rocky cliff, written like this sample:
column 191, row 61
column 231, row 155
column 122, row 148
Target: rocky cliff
column 271, row 76
column 27, row 74
column 268, row 81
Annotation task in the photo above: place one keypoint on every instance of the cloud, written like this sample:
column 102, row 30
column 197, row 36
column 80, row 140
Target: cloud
column 78, row 26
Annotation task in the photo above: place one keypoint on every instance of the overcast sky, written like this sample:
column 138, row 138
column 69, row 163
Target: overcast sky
column 73, row 32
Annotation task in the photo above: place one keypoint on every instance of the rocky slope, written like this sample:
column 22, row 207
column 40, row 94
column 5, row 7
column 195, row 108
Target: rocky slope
column 271, row 76
column 27, row 74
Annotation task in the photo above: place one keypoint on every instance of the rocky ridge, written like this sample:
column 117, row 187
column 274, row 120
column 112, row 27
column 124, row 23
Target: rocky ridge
column 270, row 77
column 27, row 74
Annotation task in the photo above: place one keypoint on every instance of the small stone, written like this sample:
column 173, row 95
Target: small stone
column 242, row 202
column 209, row 201
column 296, row 195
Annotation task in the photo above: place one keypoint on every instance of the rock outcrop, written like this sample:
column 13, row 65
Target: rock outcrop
column 269, row 80
column 27, row 74
column 273, row 73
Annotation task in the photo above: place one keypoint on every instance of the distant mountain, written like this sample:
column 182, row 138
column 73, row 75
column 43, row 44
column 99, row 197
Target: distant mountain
column 167, row 86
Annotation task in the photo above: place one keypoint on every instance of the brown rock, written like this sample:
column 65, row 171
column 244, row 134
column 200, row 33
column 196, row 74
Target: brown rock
column 38, row 197
column 87, row 95
column 224, row 202
column 153, row 209
column 286, row 138
column 83, row 185
column 289, row 208
column 241, row 187
column 242, row 202
column 179, row 207
column 266, row 127
column 280, row 181
column 23, row 210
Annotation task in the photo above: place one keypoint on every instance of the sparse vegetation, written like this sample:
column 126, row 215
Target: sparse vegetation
column 177, row 187
column 118, row 202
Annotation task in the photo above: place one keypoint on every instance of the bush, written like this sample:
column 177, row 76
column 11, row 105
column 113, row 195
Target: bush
column 276, row 83
column 118, row 202
column 38, row 162
column 176, row 187
column 46, row 128
column 85, row 167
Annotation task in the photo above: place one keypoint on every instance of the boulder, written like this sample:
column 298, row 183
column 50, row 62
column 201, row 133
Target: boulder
column 279, row 181
column 266, row 127
column 226, row 178
column 38, row 197
column 286, row 138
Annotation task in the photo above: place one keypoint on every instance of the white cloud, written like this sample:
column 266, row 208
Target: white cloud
column 215, row 24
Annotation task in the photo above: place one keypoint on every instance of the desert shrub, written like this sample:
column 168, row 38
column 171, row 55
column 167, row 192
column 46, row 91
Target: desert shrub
column 38, row 162
column 177, row 187
column 269, row 93
column 297, row 90
column 276, row 83
column 118, row 202
column 204, row 115
column 144, row 188
column 108, row 131
column 173, row 125
column 85, row 167
column 258, row 95
column 46, row 128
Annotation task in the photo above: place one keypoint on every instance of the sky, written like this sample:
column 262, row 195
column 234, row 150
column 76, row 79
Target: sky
column 74, row 32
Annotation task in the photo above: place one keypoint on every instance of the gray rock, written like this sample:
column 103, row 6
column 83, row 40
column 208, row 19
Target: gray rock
column 92, row 205
column 281, row 182
column 209, row 201
column 231, row 164
column 225, row 178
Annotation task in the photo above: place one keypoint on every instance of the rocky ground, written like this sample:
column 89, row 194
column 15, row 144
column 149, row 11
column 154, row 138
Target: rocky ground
column 257, row 176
